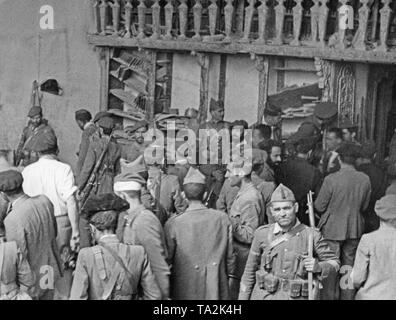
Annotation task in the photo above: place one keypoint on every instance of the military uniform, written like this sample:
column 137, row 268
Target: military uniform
column 275, row 271
column 226, row 197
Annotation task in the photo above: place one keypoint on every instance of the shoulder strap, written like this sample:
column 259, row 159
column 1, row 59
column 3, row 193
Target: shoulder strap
column 99, row 262
column 285, row 237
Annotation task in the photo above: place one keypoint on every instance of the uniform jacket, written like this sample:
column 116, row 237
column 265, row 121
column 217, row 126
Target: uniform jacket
column 109, row 169
column 201, row 254
column 226, row 197
column 374, row 271
column 15, row 270
column 89, row 285
column 265, row 188
column 31, row 224
column 146, row 230
column 245, row 218
column 343, row 197
column 284, row 264
column 83, row 149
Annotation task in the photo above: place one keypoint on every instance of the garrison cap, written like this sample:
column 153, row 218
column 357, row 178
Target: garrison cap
column 215, row 105
column 34, row 111
column 385, row 208
column 106, row 122
column 194, row 176
column 46, row 142
column 282, row 193
column 325, row 110
column 83, row 115
column 103, row 202
column 100, row 115
column 128, row 181
column 10, row 180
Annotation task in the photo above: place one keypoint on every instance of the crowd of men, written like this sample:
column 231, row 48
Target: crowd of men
column 121, row 227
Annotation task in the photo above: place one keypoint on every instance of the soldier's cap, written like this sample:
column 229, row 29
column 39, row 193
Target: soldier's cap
column 35, row 111
column 106, row 122
column 128, row 181
column 325, row 110
column 137, row 125
column 194, row 176
column 241, row 167
column 100, row 115
column 136, row 166
column 83, row 115
column 102, row 203
column 215, row 105
column 347, row 124
column 46, row 142
column 385, row 208
column 258, row 156
column 10, row 180
column 282, row 193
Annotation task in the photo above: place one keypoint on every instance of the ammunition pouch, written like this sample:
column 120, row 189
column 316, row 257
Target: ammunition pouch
column 267, row 281
column 270, row 283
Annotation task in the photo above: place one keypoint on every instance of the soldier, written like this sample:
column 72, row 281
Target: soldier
column 83, row 119
column 200, row 247
column 111, row 270
column 36, row 130
column 245, row 216
column 31, row 223
column 278, row 263
column 133, row 150
column 139, row 226
column 110, row 165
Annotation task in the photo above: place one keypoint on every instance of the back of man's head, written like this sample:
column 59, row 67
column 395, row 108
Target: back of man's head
column 194, row 191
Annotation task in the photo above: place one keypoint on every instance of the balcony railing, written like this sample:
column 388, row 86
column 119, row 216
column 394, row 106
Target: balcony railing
column 292, row 23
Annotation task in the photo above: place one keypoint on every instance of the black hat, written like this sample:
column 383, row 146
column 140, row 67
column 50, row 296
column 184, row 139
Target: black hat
column 10, row 180
column 83, row 115
column 102, row 203
column 100, row 115
column 51, row 86
column 325, row 110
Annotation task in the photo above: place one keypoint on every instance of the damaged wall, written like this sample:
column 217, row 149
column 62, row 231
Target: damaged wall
column 28, row 53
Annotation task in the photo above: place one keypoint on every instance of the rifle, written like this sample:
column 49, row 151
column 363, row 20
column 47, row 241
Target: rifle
column 93, row 176
column 310, row 243
column 209, row 197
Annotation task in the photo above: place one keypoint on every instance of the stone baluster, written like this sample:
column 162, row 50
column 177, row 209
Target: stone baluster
column 141, row 18
column 212, row 17
column 297, row 20
column 360, row 38
column 115, row 8
column 103, row 16
column 279, row 19
column 314, row 21
column 197, row 11
column 323, row 14
column 249, row 11
column 228, row 13
column 262, row 23
column 168, row 19
column 96, row 16
column 155, row 8
column 183, row 10
column 385, row 14
column 128, row 18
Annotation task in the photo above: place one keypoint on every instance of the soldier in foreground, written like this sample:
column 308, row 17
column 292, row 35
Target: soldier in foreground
column 111, row 270
column 278, row 263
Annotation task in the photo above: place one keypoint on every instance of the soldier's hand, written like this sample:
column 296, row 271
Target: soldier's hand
column 312, row 265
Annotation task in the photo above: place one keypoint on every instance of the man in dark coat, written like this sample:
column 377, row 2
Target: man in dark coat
column 200, row 247
column 36, row 129
column 110, row 165
column 83, row 119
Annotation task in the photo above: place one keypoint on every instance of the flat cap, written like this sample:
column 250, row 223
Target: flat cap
column 194, row 176
column 325, row 110
column 83, row 115
column 215, row 105
column 103, row 202
column 47, row 141
column 106, row 122
column 128, row 181
column 385, row 208
column 282, row 193
column 137, row 125
column 100, row 115
column 34, row 111
column 10, row 180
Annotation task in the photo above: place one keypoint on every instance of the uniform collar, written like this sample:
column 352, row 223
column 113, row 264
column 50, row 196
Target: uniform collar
column 88, row 124
column 278, row 229
column 196, row 206
column 109, row 238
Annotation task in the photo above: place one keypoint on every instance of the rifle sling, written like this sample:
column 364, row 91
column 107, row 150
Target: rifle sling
column 287, row 236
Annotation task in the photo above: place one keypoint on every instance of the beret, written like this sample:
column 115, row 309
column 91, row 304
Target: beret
column 45, row 142
column 34, row 111
column 106, row 122
column 83, row 114
column 10, row 180
column 103, row 202
column 325, row 110
column 385, row 208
